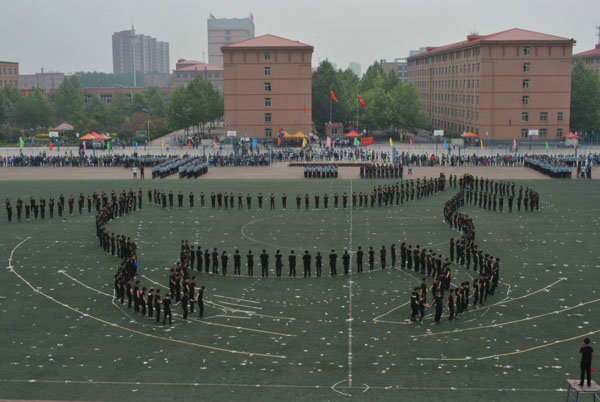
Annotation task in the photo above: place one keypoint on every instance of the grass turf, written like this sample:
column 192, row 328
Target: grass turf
column 53, row 349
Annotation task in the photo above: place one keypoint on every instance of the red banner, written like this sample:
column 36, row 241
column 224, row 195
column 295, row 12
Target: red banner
column 366, row 141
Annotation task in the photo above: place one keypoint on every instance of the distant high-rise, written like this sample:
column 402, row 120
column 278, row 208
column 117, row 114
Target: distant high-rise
column 138, row 52
column 223, row 31
column 355, row 68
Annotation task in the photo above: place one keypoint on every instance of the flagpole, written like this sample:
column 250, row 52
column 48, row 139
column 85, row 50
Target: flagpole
column 330, row 101
column 357, row 130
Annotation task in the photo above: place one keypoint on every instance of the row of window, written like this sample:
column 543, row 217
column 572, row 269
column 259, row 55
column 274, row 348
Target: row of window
column 8, row 83
column 9, row 70
column 458, row 54
column 184, row 74
column 456, row 113
column 543, row 116
column 542, row 132
column 456, row 98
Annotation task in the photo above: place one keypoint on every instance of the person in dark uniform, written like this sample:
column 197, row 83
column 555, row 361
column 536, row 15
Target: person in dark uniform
column 200, row 301
column 237, row 263
column 180, row 199
column 382, row 256
column 278, row 263
column 184, row 305
column 166, row 305
column 215, row 261
column 264, row 263
column 170, row 206
column 248, row 201
column 371, row 258
column 224, row 261
column 298, row 201
column 393, row 255
column 150, row 303
column 8, row 210
column 326, row 201
column 359, row 259
column 585, row 364
column 450, row 304
column 318, row 263
column 250, row 263
column 346, row 262
column 157, row 304
column 306, row 261
column 439, row 306
column 272, row 201
column 191, row 198
column 333, row 262
column 306, row 201
column 292, row 264
column 260, row 198
column 284, row 201
column 206, row 260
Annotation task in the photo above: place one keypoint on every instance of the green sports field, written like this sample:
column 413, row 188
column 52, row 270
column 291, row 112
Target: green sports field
column 288, row 339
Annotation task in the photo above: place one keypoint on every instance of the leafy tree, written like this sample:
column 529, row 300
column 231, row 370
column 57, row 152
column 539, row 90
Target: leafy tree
column 179, row 110
column 10, row 97
column 585, row 100
column 96, row 110
column 149, row 99
column 323, row 81
column 34, row 111
column 69, row 103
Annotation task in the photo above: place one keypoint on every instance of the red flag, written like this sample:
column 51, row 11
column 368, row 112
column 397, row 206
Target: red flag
column 279, row 142
column 362, row 104
column 51, row 145
column 305, row 109
column 190, row 143
column 332, row 96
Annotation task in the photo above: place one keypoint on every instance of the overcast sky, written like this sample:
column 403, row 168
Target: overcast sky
column 75, row 35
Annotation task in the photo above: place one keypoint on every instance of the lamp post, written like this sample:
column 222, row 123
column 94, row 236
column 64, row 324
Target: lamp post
column 147, row 111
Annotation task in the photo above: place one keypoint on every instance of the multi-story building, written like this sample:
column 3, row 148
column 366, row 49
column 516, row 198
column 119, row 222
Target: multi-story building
column 9, row 74
column 109, row 94
column 398, row 67
column 41, row 80
column 186, row 70
column 136, row 52
column 590, row 58
column 498, row 86
column 355, row 67
column 267, row 86
column 223, row 31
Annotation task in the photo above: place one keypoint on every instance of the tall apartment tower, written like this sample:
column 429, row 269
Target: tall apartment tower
column 223, row 31
column 138, row 52
column 498, row 86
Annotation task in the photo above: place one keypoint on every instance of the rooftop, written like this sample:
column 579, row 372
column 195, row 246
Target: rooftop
column 511, row 35
column 594, row 52
column 267, row 42
column 194, row 65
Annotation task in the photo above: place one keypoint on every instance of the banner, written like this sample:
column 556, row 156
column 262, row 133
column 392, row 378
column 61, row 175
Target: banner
column 328, row 141
column 366, row 141
column 391, row 142
column 438, row 133
column 254, row 143
column 446, row 146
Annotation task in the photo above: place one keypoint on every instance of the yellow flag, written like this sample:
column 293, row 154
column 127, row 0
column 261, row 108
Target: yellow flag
column 481, row 143
column 162, row 144
column 304, row 143
column 391, row 143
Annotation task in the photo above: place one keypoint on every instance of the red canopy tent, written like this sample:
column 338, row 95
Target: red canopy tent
column 93, row 136
column 469, row 135
column 353, row 134
column 571, row 136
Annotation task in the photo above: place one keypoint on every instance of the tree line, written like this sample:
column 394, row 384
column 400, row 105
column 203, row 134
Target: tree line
column 391, row 105
column 25, row 116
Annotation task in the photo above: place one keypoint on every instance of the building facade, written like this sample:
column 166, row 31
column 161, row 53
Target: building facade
column 108, row 94
column 498, row 86
column 136, row 52
column 398, row 67
column 590, row 58
column 186, row 70
column 41, row 80
column 268, row 87
column 223, row 31
column 355, row 67
column 9, row 74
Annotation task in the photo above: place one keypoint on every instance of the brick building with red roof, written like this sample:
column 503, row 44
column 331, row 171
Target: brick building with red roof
column 590, row 58
column 498, row 86
column 186, row 70
column 267, row 86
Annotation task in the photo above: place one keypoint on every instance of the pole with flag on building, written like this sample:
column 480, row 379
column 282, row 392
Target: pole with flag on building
column 481, row 143
column 547, row 147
